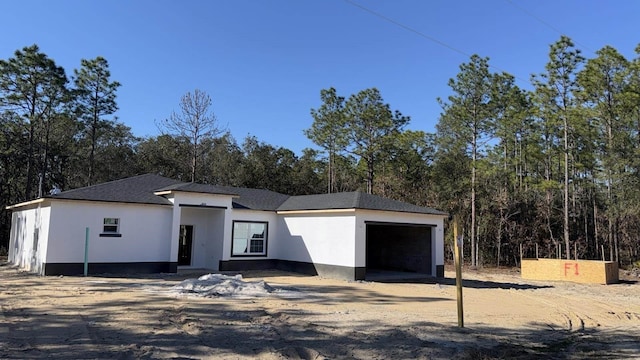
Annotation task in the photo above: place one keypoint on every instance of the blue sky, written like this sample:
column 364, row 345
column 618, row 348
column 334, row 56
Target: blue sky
column 265, row 62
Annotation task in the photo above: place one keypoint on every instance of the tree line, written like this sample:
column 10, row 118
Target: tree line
column 553, row 167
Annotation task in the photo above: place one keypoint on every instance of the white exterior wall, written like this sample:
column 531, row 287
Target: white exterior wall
column 25, row 224
column 145, row 231
column 321, row 238
column 437, row 232
column 273, row 238
column 150, row 232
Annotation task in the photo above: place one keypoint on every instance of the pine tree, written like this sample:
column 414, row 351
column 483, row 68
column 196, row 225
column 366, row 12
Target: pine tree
column 34, row 88
column 95, row 97
column 556, row 90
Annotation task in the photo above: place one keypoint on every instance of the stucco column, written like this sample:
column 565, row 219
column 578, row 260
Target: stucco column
column 175, row 235
column 226, row 237
column 360, row 243
column 437, row 248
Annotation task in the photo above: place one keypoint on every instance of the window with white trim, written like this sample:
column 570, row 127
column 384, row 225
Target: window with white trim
column 249, row 238
column 111, row 227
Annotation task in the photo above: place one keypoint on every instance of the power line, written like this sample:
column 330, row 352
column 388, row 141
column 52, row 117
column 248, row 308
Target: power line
column 545, row 23
column 397, row 23
column 428, row 37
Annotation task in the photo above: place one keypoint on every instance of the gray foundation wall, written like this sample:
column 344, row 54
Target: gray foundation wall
column 329, row 271
column 110, row 268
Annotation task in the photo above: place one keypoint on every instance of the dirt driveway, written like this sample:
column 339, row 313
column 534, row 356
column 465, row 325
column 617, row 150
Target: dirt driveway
column 506, row 318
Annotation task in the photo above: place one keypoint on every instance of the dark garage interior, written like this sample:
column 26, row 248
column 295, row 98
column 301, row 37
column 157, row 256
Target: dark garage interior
column 398, row 247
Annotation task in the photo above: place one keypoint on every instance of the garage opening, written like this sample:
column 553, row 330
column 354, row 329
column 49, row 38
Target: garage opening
column 398, row 248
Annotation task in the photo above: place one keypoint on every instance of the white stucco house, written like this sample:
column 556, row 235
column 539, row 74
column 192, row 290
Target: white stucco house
column 150, row 223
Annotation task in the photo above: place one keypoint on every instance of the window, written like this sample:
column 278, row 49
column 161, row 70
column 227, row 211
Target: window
column 249, row 238
column 111, row 227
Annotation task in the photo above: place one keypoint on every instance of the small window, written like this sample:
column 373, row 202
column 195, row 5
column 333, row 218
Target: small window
column 111, row 227
column 249, row 238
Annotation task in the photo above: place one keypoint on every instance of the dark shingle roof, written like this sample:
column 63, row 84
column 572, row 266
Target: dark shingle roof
column 352, row 200
column 257, row 199
column 141, row 189
column 137, row 189
column 245, row 198
column 199, row 188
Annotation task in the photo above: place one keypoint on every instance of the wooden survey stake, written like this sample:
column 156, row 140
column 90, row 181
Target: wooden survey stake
column 458, row 262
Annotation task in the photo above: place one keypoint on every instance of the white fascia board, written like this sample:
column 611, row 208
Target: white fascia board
column 324, row 211
column 26, row 203
column 50, row 200
column 407, row 213
column 173, row 192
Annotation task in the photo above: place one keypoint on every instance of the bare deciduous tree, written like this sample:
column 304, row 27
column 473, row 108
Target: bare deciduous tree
column 195, row 121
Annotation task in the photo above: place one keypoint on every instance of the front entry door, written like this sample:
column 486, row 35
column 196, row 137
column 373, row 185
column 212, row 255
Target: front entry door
column 185, row 244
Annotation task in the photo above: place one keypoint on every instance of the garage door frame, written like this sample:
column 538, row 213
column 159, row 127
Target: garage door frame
column 432, row 230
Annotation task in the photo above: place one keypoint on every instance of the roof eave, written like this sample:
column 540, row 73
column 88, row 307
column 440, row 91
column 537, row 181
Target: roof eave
column 26, row 203
column 346, row 210
column 315, row 211
column 115, row 201
column 169, row 192
column 438, row 213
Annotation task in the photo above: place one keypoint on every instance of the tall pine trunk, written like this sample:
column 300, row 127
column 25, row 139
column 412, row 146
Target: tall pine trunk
column 474, row 242
column 566, row 189
column 94, row 135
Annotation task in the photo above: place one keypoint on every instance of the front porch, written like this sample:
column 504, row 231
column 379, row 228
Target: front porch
column 199, row 237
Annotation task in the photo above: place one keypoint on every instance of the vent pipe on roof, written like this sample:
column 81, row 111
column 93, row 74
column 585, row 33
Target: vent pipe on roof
column 55, row 191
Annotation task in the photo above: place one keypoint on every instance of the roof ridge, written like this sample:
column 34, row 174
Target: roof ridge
column 181, row 184
column 249, row 188
column 357, row 198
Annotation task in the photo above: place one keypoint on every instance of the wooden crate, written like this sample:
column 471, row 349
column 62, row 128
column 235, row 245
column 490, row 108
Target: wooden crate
column 580, row 271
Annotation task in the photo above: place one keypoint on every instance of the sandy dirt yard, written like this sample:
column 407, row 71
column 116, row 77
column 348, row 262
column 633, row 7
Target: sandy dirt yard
column 315, row 318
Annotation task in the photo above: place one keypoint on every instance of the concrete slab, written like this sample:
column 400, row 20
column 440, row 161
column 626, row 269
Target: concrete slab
column 394, row 276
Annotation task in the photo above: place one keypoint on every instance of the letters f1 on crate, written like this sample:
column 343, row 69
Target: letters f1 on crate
column 580, row 271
